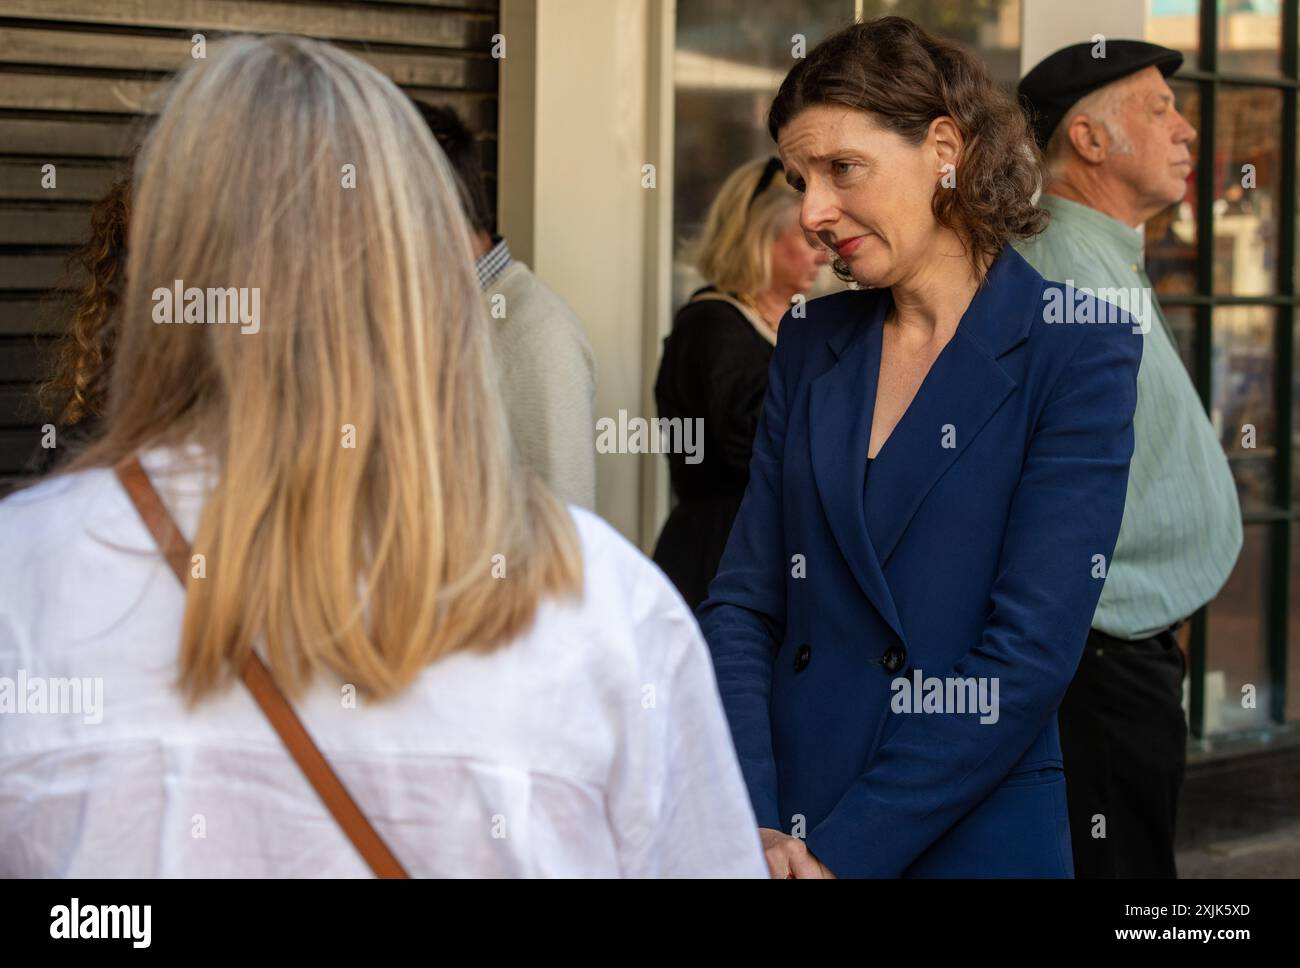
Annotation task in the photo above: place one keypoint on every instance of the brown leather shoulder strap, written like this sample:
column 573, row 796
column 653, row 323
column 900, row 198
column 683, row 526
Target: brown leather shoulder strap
column 258, row 679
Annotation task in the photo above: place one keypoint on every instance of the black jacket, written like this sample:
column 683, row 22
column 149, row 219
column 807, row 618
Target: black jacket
column 714, row 367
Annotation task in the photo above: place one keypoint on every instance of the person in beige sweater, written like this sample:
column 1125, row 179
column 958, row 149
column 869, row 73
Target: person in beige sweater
column 548, row 380
column 547, row 368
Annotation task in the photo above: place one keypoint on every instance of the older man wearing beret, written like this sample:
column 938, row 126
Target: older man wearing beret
column 1116, row 152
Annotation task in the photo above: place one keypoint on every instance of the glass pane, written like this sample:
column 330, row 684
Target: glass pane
column 1182, row 320
column 1295, row 428
column 991, row 27
column 731, row 56
column 1293, row 627
column 1171, row 235
column 1236, row 646
column 1243, row 404
column 1176, row 24
column 1249, row 157
column 1250, row 37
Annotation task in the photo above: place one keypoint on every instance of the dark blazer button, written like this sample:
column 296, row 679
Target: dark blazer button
column 801, row 658
column 894, row 658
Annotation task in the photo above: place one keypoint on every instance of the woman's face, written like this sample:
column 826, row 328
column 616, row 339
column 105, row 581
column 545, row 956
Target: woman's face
column 867, row 193
column 797, row 259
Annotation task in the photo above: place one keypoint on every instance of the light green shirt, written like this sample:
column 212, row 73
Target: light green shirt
column 1181, row 530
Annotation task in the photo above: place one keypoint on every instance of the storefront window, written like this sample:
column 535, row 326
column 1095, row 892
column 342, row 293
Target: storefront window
column 1244, row 408
column 991, row 27
column 1246, row 190
column 1295, row 424
column 1216, row 259
column 1293, row 643
column 1236, row 670
column 731, row 57
column 1250, row 37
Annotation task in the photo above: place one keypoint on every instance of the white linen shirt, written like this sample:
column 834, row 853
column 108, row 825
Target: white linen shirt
column 593, row 745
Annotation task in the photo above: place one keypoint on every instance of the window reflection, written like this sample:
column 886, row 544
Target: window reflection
column 1248, row 162
column 1293, row 646
column 1243, row 408
column 1295, row 430
column 731, row 57
column 1237, row 646
column 1250, row 37
column 991, row 27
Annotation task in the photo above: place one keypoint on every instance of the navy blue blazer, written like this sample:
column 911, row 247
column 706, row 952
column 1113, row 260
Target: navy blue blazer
column 968, row 551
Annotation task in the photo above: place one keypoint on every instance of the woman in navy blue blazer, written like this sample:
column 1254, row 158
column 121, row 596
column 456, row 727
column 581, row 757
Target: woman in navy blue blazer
column 936, row 487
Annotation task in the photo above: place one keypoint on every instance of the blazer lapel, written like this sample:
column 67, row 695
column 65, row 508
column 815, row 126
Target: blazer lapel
column 964, row 388
column 958, row 396
column 839, row 409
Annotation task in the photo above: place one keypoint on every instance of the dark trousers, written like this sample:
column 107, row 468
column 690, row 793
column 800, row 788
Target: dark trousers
column 1124, row 743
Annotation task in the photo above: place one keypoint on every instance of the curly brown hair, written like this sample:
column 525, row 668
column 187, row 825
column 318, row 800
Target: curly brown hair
column 78, row 388
column 905, row 78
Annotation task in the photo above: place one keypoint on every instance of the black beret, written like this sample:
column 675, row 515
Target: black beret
column 1060, row 80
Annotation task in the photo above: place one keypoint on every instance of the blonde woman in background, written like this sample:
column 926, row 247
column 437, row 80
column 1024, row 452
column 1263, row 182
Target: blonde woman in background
column 473, row 659
column 756, row 259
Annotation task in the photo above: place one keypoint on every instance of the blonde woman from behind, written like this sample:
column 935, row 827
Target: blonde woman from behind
column 504, row 685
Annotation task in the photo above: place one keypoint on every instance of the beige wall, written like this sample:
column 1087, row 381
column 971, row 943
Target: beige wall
column 585, row 103
column 1049, row 25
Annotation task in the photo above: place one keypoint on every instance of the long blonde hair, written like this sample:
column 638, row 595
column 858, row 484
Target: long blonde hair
column 370, row 560
column 734, row 251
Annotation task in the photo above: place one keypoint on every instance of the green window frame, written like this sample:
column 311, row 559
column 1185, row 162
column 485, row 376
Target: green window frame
column 1279, row 518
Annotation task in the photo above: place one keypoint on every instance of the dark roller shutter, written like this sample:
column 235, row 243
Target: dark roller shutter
column 76, row 78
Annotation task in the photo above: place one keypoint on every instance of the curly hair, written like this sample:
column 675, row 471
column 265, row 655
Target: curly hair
column 905, row 77
column 78, row 388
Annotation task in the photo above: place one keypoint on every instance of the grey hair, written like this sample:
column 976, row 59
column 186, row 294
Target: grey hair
column 1102, row 106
